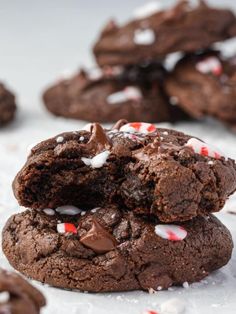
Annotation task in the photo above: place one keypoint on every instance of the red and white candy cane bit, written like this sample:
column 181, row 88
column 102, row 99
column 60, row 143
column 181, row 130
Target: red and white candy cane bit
column 210, row 65
column 63, row 228
column 139, row 127
column 171, row 232
column 150, row 312
column 204, row 149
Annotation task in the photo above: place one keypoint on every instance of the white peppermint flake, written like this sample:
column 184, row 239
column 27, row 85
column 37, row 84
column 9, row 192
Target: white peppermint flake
column 148, row 9
column 68, row 210
column 61, row 228
column 97, row 161
column 4, row 297
column 49, row 211
column 129, row 93
column 173, row 306
column 144, row 36
column 95, row 74
column 59, row 139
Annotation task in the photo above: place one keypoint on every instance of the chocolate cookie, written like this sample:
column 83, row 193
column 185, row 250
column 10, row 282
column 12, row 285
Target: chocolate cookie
column 148, row 170
column 205, row 84
column 155, row 33
column 106, row 95
column 108, row 249
column 7, row 105
column 20, row 297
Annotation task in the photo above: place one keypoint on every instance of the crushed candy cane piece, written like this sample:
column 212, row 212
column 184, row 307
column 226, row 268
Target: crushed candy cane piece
column 144, row 36
column 129, row 93
column 171, row 232
column 204, row 149
column 139, row 127
column 97, row 161
column 210, row 65
column 68, row 210
column 150, row 312
column 63, row 228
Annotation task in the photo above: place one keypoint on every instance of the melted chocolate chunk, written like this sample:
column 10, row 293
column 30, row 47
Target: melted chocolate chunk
column 98, row 239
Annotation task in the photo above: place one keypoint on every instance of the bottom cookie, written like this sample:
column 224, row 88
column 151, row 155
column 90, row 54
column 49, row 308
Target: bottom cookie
column 18, row 296
column 107, row 249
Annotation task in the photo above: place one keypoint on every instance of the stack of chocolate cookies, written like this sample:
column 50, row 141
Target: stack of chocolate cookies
column 121, row 209
column 131, row 81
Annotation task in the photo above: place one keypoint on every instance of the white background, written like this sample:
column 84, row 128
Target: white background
column 39, row 41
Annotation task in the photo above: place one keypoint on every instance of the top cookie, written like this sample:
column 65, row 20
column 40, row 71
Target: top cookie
column 148, row 170
column 205, row 84
column 154, row 33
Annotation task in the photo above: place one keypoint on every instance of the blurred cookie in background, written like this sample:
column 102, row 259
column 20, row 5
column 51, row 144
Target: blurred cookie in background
column 111, row 93
column 7, row 105
column 157, row 31
column 204, row 84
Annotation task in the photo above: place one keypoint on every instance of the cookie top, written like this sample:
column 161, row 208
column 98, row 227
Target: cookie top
column 110, row 93
column 180, row 28
column 20, row 296
column 205, row 84
column 110, row 249
column 147, row 169
column 7, row 105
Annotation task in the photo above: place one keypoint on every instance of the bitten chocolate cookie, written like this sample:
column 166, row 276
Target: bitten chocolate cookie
column 108, row 249
column 148, row 170
column 7, row 105
column 156, row 32
column 205, row 84
column 106, row 95
column 20, row 297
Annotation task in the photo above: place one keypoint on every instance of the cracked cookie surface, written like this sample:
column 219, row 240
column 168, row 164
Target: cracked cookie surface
column 162, row 172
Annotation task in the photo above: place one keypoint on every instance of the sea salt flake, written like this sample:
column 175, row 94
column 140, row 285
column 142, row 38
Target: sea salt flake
column 144, row 36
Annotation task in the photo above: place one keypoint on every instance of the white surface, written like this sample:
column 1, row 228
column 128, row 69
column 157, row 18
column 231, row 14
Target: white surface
column 39, row 40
